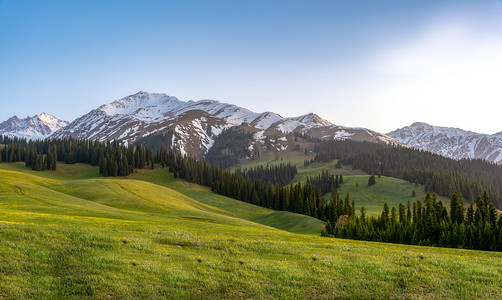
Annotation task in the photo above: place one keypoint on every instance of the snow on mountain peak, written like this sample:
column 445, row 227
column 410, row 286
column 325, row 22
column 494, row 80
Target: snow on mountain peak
column 450, row 142
column 36, row 127
column 145, row 106
column 312, row 119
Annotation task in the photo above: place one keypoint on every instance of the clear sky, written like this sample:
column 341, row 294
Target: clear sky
column 375, row 64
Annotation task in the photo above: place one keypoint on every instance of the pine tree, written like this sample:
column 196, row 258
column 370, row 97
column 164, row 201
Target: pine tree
column 470, row 215
column 385, row 214
column 393, row 216
column 363, row 214
column 371, row 180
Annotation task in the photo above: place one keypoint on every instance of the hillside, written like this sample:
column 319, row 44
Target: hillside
column 82, row 236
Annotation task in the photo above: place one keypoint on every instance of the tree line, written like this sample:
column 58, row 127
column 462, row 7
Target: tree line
column 325, row 182
column 112, row 158
column 427, row 223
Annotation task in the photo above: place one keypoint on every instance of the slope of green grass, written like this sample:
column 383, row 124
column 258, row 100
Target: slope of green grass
column 282, row 220
column 103, row 238
column 387, row 189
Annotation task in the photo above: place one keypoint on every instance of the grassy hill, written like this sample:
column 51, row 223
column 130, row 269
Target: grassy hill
column 71, row 234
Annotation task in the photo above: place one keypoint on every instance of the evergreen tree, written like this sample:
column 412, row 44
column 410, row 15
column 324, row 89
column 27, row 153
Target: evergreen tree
column 371, row 180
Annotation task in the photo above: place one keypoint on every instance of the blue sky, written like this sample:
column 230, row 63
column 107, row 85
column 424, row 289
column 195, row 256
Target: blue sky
column 375, row 64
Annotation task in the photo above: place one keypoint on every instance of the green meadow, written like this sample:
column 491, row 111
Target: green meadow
column 71, row 234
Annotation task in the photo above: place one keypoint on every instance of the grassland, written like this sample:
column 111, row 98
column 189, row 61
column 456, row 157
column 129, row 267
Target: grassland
column 70, row 234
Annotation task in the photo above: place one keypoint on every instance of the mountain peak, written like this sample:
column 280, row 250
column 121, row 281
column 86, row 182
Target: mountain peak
column 141, row 102
column 312, row 119
column 416, row 124
column 45, row 117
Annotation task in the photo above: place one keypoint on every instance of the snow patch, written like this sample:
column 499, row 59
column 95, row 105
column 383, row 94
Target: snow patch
column 342, row 135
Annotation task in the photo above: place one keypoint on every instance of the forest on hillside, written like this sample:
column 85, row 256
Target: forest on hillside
column 439, row 174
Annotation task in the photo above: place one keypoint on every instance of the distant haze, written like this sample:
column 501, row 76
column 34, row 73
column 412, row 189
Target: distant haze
column 375, row 64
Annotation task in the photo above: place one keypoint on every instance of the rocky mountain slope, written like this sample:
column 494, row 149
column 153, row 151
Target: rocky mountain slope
column 193, row 126
column 451, row 142
column 36, row 127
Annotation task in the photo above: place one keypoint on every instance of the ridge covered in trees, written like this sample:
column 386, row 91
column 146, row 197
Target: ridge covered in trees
column 439, row 174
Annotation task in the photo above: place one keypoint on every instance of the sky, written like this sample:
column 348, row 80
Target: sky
column 375, row 64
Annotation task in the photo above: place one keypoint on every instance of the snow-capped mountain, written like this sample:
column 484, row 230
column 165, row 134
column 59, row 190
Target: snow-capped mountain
column 451, row 142
column 193, row 125
column 36, row 127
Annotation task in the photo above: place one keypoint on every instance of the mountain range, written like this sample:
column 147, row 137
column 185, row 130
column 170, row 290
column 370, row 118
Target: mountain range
column 36, row 127
column 194, row 126
column 451, row 142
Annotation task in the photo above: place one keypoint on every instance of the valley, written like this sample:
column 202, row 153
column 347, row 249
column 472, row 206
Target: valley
column 73, row 234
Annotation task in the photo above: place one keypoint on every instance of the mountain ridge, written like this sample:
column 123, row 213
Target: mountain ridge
column 451, row 142
column 196, row 124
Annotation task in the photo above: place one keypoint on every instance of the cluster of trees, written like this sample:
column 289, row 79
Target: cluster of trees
column 161, row 139
column 281, row 174
column 428, row 223
column 327, row 151
column 41, row 162
column 5, row 139
column 336, row 208
column 13, row 150
column 113, row 159
column 325, row 182
column 439, row 174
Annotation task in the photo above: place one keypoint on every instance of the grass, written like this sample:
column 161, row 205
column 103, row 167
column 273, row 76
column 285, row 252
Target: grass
column 64, row 237
column 295, row 223
column 387, row 189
